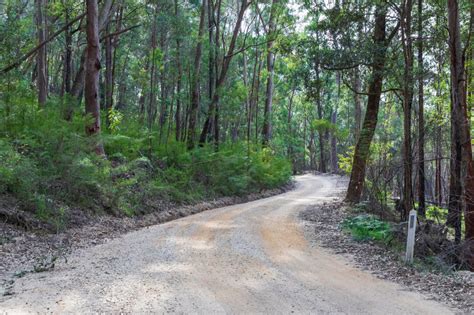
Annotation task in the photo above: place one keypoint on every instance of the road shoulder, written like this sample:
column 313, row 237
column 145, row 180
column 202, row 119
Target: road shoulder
column 322, row 229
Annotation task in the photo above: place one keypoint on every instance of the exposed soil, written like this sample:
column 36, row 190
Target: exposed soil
column 28, row 247
column 246, row 258
column 323, row 228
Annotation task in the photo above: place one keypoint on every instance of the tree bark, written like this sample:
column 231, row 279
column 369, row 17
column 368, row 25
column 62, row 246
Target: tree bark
column 267, row 114
column 92, row 67
column 421, row 119
column 362, row 149
column 78, row 83
column 67, row 55
column 194, row 106
column 223, row 73
column 41, row 58
column 178, row 78
column 457, row 77
column 406, row 23
column 469, row 94
column 319, row 108
column 357, row 105
column 108, row 75
column 153, row 73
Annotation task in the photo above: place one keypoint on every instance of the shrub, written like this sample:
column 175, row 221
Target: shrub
column 366, row 227
column 48, row 164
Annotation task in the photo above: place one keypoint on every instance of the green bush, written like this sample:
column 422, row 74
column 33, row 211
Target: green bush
column 48, row 164
column 366, row 227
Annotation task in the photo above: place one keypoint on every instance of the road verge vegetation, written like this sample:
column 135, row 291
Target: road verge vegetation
column 53, row 181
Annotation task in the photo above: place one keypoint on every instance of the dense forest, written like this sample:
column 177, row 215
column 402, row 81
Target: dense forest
column 119, row 106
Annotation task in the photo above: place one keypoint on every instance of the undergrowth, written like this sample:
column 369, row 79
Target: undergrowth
column 367, row 227
column 48, row 164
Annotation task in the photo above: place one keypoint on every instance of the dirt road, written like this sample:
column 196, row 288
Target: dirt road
column 247, row 258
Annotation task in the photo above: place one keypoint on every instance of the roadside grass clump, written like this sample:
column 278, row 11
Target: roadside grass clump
column 368, row 228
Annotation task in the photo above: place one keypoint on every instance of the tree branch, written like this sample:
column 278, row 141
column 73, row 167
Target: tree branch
column 34, row 50
column 120, row 32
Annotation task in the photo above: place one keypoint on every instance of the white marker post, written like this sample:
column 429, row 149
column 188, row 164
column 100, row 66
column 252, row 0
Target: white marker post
column 411, row 237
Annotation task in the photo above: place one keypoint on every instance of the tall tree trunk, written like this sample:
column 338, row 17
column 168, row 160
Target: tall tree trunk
column 67, row 55
column 357, row 105
column 421, row 119
column 194, row 106
column 108, row 74
column 319, row 109
column 406, row 21
column 153, row 73
column 257, row 97
column 163, row 84
column 267, row 114
column 468, row 95
column 78, row 83
column 334, row 159
column 92, row 67
column 223, row 73
column 439, row 136
column 216, row 64
column 289, row 151
column 334, row 166
column 41, row 58
column 178, row 78
column 457, row 122
column 67, row 67
column 362, row 149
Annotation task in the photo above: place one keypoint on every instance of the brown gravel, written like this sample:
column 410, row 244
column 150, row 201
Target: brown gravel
column 323, row 228
column 24, row 251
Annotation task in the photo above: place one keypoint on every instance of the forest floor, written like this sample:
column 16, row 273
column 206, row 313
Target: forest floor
column 323, row 229
column 246, row 258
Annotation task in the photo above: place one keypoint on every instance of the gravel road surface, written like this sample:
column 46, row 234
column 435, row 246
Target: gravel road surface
column 247, row 258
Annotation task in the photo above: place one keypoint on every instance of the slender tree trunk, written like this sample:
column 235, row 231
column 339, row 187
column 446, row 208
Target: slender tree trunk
column 438, row 140
column 92, row 67
column 78, row 83
column 223, row 73
column 179, row 77
column 334, row 159
column 267, row 114
column 407, row 108
column 67, row 68
column 421, row 119
column 41, row 57
column 319, row 108
column 362, row 149
column 257, row 97
column 67, row 55
column 108, row 75
column 153, row 73
column 195, row 80
column 216, row 56
column 468, row 95
column 457, row 121
column 290, row 131
column 334, row 166
column 357, row 105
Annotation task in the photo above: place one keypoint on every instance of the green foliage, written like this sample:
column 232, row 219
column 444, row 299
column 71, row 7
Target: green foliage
column 115, row 118
column 345, row 160
column 366, row 227
column 50, row 166
column 323, row 125
column 437, row 214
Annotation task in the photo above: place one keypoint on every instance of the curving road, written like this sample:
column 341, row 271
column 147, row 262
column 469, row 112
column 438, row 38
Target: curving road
column 247, row 258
